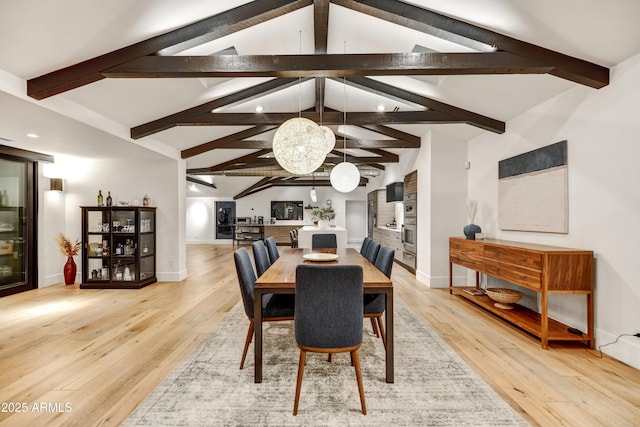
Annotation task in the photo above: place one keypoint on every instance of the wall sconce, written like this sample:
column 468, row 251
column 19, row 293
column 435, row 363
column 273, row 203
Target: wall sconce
column 55, row 184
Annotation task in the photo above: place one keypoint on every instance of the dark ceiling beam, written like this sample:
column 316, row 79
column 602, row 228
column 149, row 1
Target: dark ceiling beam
column 217, row 26
column 309, row 183
column 407, row 15
column 226, row 140
column 320, row 25
column 338, row 157
column 233, row 163
column 320, row 88
column 243, row 95
column 200, row 182
column 231, row 166
column 386, row 156
column 263, row 184
column 393, row 133
column 351, row 143
column 332, row 118
column 327, row 65
column 401, row 95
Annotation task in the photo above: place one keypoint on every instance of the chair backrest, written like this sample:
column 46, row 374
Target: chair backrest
column 246, row 279
column 328, row 307
column 372, row 251
column 384, row 259
column 260, row 257
column 324, row 240
column 365, row 245
column 272, row 249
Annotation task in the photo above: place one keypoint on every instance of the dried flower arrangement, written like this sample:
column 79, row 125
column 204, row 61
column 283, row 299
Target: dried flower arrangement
column 68, row 248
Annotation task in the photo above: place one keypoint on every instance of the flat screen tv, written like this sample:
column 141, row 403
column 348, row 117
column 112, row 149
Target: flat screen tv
column 287, row 209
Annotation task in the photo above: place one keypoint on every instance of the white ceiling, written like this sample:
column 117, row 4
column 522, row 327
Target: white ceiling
column 37, row 37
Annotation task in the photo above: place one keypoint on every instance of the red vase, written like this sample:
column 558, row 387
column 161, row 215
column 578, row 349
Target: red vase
column 69, row 271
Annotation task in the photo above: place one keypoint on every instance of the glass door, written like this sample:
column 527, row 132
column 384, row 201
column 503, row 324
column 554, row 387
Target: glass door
column 225, row 217
column 17, row 229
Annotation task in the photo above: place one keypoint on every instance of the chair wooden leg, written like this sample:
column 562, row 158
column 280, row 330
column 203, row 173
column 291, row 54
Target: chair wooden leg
column 246, row 343
column 382, row 334
column 329, row 357
column 356, row 359
column 374, row 326
column 303, row 356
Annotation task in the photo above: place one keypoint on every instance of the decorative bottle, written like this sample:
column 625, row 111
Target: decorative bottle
column 109, row 199
column 100, row 200
column 145, row 200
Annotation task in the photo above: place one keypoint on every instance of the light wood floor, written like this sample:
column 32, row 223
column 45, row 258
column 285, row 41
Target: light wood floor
column 91, row 356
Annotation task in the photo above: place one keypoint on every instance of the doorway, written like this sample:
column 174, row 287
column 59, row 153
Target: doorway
column 225, row 218
column 356, row 220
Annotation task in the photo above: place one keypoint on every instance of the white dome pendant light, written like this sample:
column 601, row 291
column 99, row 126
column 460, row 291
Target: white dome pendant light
column 345, row 177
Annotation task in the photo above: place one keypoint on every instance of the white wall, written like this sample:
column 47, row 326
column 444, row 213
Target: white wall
column 128, row 180
column 602, row 128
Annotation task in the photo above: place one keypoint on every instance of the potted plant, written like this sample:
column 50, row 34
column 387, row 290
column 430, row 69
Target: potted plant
column 322, row 215
column 70, row 249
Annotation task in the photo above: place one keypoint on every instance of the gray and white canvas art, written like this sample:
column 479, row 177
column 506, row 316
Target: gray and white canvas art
column 533, row 191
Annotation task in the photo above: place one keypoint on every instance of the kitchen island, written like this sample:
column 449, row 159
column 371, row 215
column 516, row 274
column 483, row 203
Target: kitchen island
column 305, row 233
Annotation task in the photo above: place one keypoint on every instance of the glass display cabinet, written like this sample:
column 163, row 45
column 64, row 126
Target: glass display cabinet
column 118, row 247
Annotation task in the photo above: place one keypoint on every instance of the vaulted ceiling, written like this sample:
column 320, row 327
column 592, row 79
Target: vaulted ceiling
column 195, row 86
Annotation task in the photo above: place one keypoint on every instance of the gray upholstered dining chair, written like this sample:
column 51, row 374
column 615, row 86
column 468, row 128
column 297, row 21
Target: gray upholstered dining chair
column 374, row 304
column 294, row 238
column 365, row 245
column 329, row 316
column 260, row 257
column 324, row 240
column 274, row 307
column 372, row 251
column 272, row 249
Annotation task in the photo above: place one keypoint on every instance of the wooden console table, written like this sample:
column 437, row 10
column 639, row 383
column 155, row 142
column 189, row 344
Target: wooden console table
column 544, row 269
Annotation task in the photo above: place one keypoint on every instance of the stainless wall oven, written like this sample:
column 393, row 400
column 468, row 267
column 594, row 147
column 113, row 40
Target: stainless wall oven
column 409, row 203
column 409, row 234
column 409, row 231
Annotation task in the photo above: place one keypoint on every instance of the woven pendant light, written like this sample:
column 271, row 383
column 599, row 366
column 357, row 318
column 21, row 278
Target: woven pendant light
column 299, row 146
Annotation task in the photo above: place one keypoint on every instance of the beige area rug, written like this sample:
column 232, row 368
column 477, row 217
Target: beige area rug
column 433, row 385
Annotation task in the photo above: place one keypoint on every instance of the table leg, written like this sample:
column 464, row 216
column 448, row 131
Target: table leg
column 389, row 326
column 257, row 338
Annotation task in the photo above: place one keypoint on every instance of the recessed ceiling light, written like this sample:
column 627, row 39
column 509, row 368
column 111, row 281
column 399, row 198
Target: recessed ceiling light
column 380, row 107
column 259, row 109
column 33, row 135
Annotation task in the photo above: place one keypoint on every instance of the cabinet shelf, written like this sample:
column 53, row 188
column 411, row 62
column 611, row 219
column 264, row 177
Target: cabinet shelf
column 541, row 268
column 248, row 232
column 522, row 317
column 101, row 230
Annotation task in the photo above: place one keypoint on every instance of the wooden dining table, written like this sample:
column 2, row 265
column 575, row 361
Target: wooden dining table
column 280, row 278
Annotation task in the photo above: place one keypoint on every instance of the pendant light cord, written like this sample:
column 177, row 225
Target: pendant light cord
column 344, row 111
column 300, row 77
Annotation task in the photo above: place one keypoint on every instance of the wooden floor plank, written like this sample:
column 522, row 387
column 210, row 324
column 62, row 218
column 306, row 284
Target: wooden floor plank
column 104, row 351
